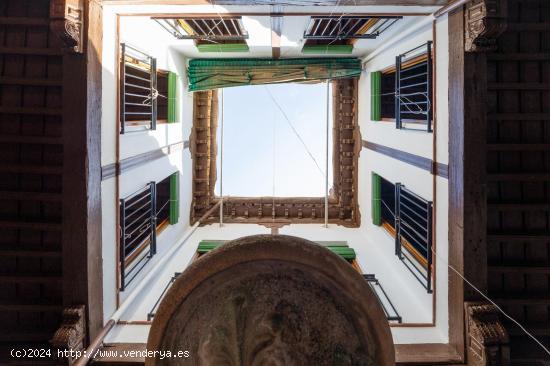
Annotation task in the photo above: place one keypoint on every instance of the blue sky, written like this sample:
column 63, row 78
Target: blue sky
column 261, row 153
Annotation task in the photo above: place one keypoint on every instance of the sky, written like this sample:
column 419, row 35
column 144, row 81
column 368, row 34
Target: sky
column 262, row 155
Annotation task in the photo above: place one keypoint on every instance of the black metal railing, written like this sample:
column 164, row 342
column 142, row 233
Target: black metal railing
column 413, row 236
column 137, row 232
column 153, row 311
column 383, row 298
column 208, row 28
column 330, row 28
column 138, row 90
column 413, row 88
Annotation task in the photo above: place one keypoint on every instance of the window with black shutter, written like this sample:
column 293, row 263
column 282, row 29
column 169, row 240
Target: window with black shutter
column 336, row 34
column 138, row 90
column 413, row 239
column 137, row 232
column 147, row 94
column 413, row 87
column 408, row 218
column 210, row 34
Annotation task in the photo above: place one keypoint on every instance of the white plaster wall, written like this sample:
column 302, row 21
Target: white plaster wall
column 393, row 275
column 420, row 181
column 153, row 40
column 373, row 246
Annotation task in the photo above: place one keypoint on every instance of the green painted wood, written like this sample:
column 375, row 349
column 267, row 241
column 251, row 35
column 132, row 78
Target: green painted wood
column 375, row 97
column 376, row 182
column 331, row 49
column 174, row 198
column 340, row 248
column 214, row 73
column 172, row 83
column 223, row 47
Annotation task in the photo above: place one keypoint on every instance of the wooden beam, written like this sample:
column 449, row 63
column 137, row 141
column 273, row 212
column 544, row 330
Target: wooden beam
column 426, row 354
column 82, row 264
column 322, row 3
column 467, row 145
column 408, row 158
column 114, row 169
column 467, row 189
column 276, row 31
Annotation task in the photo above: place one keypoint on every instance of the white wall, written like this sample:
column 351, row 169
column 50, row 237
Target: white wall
column 153, row 40
column 373, row 246
column 395, row 278
column 418, row 180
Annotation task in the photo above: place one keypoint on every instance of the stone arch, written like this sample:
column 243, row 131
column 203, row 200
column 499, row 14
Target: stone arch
column 271, row 300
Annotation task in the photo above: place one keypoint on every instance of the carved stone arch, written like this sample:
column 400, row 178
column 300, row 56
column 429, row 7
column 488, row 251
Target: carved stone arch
column 271, row 300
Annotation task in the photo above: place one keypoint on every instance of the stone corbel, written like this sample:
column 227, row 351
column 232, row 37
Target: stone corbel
column 71, row 335
column 485, row 21
column 66, row 21
column 487, row 340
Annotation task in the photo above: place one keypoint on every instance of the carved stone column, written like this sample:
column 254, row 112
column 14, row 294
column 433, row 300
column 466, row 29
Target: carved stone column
column 487, row 340
column 70, row 336
column 66, row 21
column 485, row 20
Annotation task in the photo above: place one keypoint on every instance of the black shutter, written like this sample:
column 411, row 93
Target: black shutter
column 413, row 235
column 137, row 232
column 138, row 90
column 413, row 87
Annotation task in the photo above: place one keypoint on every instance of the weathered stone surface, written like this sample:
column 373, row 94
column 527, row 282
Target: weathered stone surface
column 271, row 300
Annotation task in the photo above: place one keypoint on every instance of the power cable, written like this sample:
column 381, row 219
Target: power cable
column 294, row 130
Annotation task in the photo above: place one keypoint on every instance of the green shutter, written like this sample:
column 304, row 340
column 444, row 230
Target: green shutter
column 340, row 248
column 174, row 198
column 375, row 98
column 172, row 82
column 223, row 47
column 322, row 49
column 376, row 199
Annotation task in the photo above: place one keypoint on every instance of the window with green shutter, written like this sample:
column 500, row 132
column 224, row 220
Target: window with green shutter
column 174, row 198
column 375, row 96
column 376, row 199
column 172, row 87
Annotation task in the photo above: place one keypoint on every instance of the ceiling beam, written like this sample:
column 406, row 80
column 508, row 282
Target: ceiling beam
column 276, row 31
column 333, row 3
column 322, row 3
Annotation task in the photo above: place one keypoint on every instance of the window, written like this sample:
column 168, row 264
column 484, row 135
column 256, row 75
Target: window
column 143, row 215
column 336, row 34
column 387, row 198
column 387, row 95
column 211, row 34
column 413, row 240
column 408, row 218
column 163, row 202
column 147, row 95
column 413, row 87
column 403, row 93
column 138, row 79
column 137, row 232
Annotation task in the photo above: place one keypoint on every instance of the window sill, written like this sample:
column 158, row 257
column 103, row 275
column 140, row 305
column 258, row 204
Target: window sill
column 410, row 248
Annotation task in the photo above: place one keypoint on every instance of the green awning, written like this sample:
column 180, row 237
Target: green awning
column 337, row 247
column 205, row 74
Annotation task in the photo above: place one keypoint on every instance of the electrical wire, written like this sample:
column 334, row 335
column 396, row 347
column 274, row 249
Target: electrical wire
column 274, row 165
column 509, row 317
column 294, row 129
